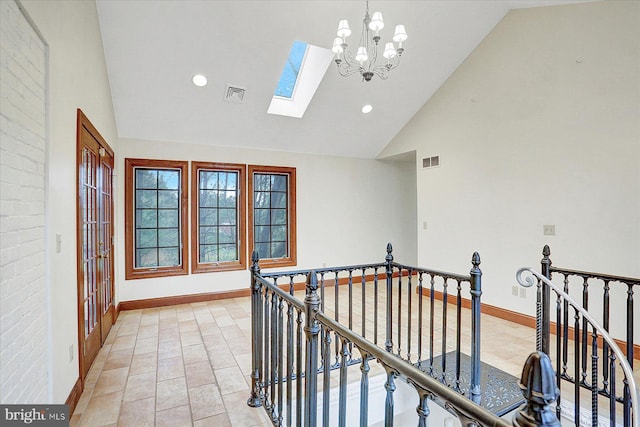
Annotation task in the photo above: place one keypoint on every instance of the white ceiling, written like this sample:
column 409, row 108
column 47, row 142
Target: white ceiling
column 153, row 48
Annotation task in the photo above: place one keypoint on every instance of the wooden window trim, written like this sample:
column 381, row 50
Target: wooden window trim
column 129, row 206
column 241, row 264
column 291, row 171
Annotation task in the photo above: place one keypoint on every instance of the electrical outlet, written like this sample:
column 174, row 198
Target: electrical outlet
column 549, row 230
column 523, row 292
column 514, row 291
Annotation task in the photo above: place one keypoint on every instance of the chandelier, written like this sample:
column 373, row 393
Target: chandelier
column 364, row 62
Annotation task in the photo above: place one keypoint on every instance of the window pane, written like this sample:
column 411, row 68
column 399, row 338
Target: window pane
column 146, row 178
column 208, row 198
column 227, row 216
column 168, row 237
column 146, row 199
column 263, row 250
column 208, row 235
column 208, row 253
column 168, row 199
column 208, row 216
column 168, row 179
column 278, row 233
column 279, row 200
column 146, row 218
column 279, row 216
column 261, row 216
column 262, row 182
column 228, row 180
column 146, row 258
column 208, row 180
column 278, row 183
column 262, row 200
column 278, row 250
column 227, row 199
column 168, row 257
column 227, row 235
column 228, row 253
column 168, row 218
column 146, row 238
column 262, row 233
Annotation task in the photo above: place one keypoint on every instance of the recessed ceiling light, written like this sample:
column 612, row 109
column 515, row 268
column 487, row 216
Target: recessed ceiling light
column 199, row 80
column 367, row 109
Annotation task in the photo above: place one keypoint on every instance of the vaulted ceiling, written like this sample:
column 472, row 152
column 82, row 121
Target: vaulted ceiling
column 153, row 48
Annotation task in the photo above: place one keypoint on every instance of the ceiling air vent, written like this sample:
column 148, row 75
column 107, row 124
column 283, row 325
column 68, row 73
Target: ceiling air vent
column 234, row 94
column 431, row 162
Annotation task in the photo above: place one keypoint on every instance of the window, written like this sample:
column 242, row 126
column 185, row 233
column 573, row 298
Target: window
column 217, row 217
column 272, row 214
column 156, row 218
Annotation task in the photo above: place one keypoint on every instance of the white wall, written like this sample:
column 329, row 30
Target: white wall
column 77, row 79
column 540, row 125
column 347, row 210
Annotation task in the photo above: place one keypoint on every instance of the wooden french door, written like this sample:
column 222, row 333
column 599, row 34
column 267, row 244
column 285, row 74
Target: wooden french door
column 95, row 242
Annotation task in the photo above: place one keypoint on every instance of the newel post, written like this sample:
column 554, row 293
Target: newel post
column 538, row 385
column 255, row 399
column 543, row 301
column 388, row 343
column 476, row 292
column 312, row 331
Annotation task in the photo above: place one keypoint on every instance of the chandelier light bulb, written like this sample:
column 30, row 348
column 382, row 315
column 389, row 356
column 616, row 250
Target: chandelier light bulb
column 343, row 29
column 376, row 23
column 337, row 46
column 389, row 51
column 362, row 56
column 400, row 34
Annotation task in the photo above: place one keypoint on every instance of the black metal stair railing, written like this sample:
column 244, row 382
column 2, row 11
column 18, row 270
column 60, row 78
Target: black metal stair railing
column 591, row 342
column 295, row 342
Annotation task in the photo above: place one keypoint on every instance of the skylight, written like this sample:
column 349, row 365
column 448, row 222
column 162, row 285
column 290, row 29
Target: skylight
column 303, row 71
column 291, row 70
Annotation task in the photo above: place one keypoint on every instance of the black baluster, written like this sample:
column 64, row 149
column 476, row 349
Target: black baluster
column 409, row 316
column 274, row 355
column 559, row 337
column 458, row 334
column 594, row 376
column 476, row 308
column 267, row 350
column 256, row 320
column 565, row 329
column 546, row 272
column 389, row 270
column 375, row 306
column 626, row 395
column 612, row 394
column 585, row 305
column 399, row 335
column 326, row 379
column 299, row 347
column 280, row 355
column 289, row 363
column 605, row 345
column 336, row 315
column 312, row 330
column 443, row 358
column 364, row 390
column 576, row 383
column 364, row 305
column 431, row 323
column 420, row 298
column 423, row 408
column 390, row 387
column 342, row 393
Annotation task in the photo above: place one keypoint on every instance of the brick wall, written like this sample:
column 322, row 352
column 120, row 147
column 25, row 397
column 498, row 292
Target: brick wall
column 24, row 356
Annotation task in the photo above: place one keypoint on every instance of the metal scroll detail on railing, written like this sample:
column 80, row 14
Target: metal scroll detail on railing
column 585, row 323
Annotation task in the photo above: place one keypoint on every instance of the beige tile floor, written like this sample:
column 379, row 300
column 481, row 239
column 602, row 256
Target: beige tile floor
column 190, row 364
